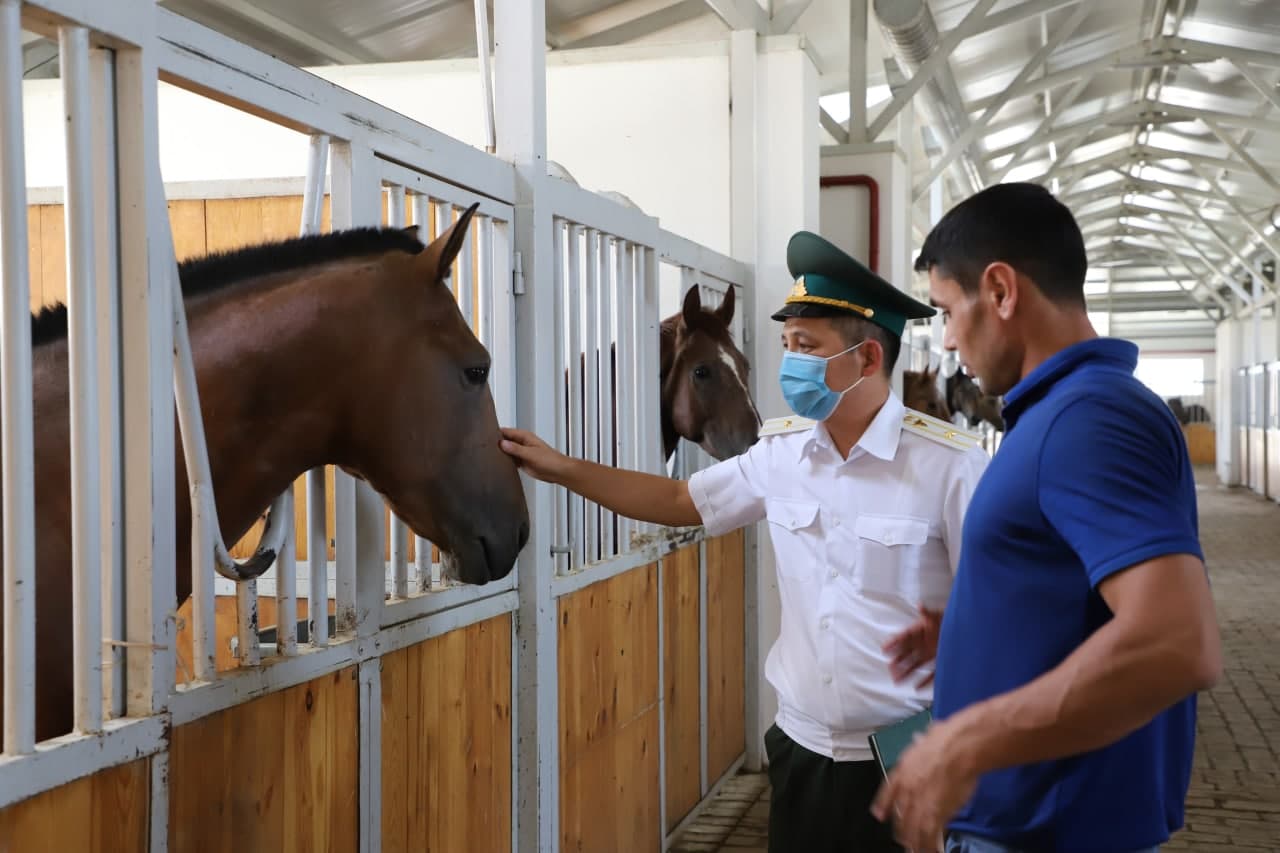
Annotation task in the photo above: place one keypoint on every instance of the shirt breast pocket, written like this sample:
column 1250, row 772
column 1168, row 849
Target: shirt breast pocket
column 889, row 551
column 797, row 534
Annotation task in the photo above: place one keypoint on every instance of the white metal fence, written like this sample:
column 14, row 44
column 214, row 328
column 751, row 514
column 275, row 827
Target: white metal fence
column 126, row 319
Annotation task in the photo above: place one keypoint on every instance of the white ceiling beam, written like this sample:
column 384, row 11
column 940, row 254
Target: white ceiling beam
column 1269, row 241
column 1229, row 119
column 1268, row 93
column 1243, row 154
column 1144, row 54
column 1213, row 50
column 296, row 34
column 1123, row 118
column 1190, row 291
column 833, row 127
column 1037, row 136
column 1214, row 266
column 1037, row 60
column 624, row 22
column 784, row 19
column 741, row 14
column 1253, row 268
column 941, row 53
column 1177, row 257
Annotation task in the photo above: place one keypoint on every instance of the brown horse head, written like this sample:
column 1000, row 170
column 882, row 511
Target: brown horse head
column 425, row 431
column 339, row 349
column 705, row 393
column 920, row 392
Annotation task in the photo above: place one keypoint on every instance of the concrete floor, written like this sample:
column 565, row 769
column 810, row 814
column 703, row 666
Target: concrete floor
column 1234, row 802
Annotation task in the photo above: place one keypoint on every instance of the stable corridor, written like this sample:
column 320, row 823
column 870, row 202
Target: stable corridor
column 1234, row 802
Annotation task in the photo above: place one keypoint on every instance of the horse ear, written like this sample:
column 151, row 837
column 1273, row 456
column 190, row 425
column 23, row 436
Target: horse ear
column 692, row 308
column 438, row 258
column 725, row 312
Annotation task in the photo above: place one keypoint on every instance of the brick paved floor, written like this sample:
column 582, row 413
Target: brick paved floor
column 1234, row 801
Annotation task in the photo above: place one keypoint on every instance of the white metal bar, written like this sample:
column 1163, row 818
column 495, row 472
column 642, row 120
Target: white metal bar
column 317, row 560
column 147, row 285
column 467, row 279
column 287, row 588
column 486, row 80
column 83, row 348
column 625, row 376
column 703, row 675
column 344, row 535
column 108, row 364
column 61, row 760
column 857, row 72
column 399, row 532
column 18, row 451
column 591, row 291
column 562, row 543
column 575, row 355
column 650, row 337
column 658, row 546
column 458, row 595
column 421, row 205
column 248, row 650
column 239, row 686
column 608, row 394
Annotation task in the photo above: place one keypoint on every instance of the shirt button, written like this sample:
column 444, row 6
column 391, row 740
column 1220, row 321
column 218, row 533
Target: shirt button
column 832, row 574
column 826, row 679
column 826, row 623
column 836, row 522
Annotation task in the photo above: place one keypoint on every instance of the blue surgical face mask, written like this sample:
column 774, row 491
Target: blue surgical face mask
column 804, row 384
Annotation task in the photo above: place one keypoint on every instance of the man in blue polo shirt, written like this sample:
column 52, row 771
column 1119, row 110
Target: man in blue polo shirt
column 1080, row 624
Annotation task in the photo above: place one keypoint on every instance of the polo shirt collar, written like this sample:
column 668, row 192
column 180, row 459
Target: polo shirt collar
column 879, row 440
column 1119, row 353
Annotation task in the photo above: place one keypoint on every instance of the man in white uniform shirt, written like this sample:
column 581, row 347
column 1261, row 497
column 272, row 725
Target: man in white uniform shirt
column 865, row 501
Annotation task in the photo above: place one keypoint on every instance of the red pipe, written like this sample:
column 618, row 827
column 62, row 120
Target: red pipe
column 874, row 189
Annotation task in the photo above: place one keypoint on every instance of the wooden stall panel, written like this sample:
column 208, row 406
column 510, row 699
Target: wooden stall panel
column 35, row 257
column 726, row 675
column 53, row 251
column 680, row 692
column 609, row 694
column 446, row 742
column 278, row 773
column 103, row 813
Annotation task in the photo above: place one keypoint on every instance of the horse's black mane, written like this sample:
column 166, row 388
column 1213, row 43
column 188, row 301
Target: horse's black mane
column 222, row 269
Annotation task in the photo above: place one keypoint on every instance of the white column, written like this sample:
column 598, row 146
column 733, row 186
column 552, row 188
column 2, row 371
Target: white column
column 521, row 89
column 784, row 162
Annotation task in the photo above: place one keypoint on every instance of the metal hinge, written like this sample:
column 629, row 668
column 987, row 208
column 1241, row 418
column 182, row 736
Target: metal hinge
column 517, row 276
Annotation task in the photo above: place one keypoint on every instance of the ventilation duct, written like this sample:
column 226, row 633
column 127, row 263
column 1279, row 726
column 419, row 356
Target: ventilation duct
column 909, row 27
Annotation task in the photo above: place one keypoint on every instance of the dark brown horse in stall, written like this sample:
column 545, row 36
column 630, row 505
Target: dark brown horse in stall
column 342, row 349
column 920, row 392
column 706, row 397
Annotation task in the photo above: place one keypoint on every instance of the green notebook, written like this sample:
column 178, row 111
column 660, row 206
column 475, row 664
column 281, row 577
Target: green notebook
column 888, row 744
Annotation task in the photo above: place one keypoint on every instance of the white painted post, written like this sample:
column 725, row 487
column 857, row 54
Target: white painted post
column 592, row 346
column 577, row 440
column 399, row 532
column 422, row 547
column 608, row 394
column 317, row 533
column 563, row 550
column 520, row 28
column 15, row 401
column 103, row 104
column 83, row 348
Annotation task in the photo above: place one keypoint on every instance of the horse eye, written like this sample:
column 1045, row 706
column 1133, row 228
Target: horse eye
column 477, row 375
column 701, row 372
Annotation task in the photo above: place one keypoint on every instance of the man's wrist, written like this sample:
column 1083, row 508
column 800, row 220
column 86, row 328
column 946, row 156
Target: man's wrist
column 971, row 740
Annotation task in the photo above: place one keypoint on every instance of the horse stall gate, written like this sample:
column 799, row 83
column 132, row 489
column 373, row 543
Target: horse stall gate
column 406, row 711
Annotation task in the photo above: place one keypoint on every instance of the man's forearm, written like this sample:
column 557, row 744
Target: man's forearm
column 644, row 497
column 1112, row 685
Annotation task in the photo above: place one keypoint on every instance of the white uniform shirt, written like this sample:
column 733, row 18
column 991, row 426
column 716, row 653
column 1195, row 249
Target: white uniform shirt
column 860, row 543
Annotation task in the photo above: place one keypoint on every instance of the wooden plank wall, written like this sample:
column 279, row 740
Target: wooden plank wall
column 446, row 742
column 608, row 662
column 107, row 812
column 610, row 695
column 278, row 773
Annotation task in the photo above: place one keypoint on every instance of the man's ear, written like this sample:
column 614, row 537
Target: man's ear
column 1000, row 287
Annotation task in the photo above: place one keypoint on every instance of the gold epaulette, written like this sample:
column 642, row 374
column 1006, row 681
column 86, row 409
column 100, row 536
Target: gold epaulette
column 790, row 423
column 943, row 432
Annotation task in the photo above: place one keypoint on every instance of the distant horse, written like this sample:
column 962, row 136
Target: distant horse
column 1195, row 413
column 964, row 395
column 345, row 349
column 705, row 391
column 920, row 392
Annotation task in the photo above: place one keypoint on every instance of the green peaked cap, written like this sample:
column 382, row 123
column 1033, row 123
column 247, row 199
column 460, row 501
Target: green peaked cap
column 830, row 283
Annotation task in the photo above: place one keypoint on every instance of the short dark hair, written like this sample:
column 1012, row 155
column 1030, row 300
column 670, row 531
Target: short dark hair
column 854, row 330
column 1021, row 224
